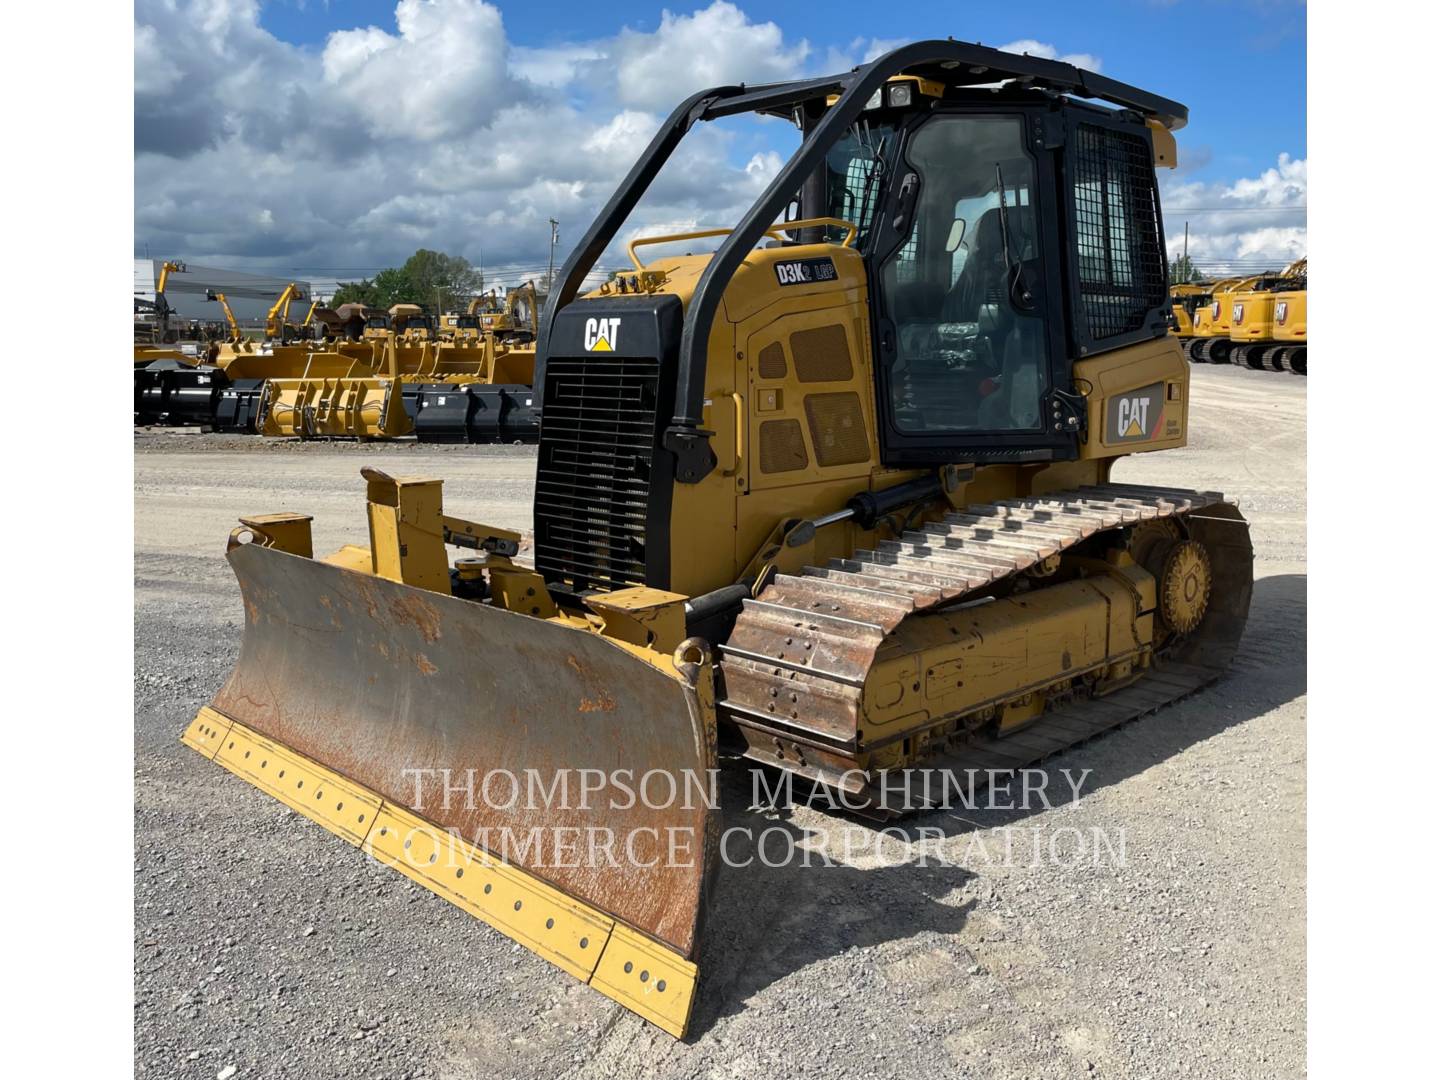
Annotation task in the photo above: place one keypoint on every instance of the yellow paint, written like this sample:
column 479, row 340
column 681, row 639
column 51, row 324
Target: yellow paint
column 579, row 939
column 569, row 934
column 647, row 979
column 325, row 797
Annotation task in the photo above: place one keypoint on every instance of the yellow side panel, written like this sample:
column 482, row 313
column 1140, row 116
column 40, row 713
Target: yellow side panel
column 1137, row 398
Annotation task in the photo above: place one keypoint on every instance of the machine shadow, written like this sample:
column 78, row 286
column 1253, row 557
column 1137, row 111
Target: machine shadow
column 769, row 921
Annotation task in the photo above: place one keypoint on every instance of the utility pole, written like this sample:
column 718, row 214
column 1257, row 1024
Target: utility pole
column 554, row 239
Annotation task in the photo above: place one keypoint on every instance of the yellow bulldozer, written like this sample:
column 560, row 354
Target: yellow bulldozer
column 834, row 501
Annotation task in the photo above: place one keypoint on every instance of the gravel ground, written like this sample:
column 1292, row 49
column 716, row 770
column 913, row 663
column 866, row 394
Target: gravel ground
column 1170, row 942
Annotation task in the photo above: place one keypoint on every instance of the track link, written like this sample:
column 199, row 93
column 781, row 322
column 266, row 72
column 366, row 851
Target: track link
column 795, row 666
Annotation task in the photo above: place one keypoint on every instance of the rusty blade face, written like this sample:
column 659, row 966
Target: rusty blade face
column 449, row 707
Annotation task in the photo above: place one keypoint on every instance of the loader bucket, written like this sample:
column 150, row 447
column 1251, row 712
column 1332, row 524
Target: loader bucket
column 403, row 720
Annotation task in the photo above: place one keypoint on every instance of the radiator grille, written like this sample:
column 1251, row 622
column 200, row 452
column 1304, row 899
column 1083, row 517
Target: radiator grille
column 822, row 354
column 782, row 447
column 592, row 483
column 772, row 361
column 1117, row 231
column 837, row 428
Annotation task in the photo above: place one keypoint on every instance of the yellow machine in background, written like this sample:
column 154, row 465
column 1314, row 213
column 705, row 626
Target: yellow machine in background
column 1260, row 313
column 236, row 335
column 1211, row 341
column 841, row 505
column 1290, row 326
column 1185, row 302
column 155, row 338
column 412, row 362
column 277, row 320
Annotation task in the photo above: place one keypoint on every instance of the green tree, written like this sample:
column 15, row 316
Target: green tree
column 395, row 287
column 431, row 279
column 356, row 292
column 443, row 281
column 1182, row 271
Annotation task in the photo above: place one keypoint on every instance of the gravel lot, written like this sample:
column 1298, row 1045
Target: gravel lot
column 265, row 945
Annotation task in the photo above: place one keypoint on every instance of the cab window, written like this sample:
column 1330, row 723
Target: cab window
column 970, row 356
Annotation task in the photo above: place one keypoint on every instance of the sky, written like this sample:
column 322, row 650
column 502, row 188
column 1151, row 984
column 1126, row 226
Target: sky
column 327, row 139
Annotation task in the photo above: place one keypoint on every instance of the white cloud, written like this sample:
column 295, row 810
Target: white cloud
column 553, row 67
column 433, row 130
column 444, row 73
column 1045, row 51
column 712, row 47
column 436, row 130
column 1245, row 225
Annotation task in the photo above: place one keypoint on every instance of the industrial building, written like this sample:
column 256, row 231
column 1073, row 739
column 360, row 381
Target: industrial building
column 249, row 295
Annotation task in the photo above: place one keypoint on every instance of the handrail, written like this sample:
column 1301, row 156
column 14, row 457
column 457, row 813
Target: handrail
column 777, row 231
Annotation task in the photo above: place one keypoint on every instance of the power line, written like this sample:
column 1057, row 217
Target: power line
column 1233, row 209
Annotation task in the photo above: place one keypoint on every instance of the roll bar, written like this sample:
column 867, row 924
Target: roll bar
column 951, row 62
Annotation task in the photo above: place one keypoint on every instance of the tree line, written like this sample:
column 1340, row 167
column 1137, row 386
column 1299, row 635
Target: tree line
column 431, row 279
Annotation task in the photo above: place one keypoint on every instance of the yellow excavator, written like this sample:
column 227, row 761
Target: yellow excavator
column 835, row 500
column 1210, row 343
column 1259, row 313
column 1290, row 326
column 235, row 335
column 277, row 320
column 154, row 337
column 515, row 323
column 1185, row 299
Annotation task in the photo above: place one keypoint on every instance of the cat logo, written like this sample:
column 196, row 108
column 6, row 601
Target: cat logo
column 601, row 335
column 1138, row 414
column 1282, row 308
column 1132, row 417
column 1237, row 314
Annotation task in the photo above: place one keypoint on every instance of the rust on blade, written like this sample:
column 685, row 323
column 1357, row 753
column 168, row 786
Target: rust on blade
column 446, row 707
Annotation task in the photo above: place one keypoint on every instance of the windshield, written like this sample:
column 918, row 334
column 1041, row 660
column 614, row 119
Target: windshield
column 969, row 356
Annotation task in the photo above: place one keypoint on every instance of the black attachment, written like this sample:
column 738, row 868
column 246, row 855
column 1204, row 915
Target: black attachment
column 871, row 506
column 473, row 413
column 712, row 615
column 172, row 393
column 237, row 407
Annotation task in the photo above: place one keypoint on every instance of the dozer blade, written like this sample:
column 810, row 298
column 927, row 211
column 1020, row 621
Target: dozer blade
column 399, row 719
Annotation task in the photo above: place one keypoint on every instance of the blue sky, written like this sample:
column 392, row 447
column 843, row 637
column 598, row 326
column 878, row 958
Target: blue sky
column 333, row 138
column 1238, row 64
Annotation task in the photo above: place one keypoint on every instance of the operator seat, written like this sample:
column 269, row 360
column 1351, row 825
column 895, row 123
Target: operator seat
column 982, row 294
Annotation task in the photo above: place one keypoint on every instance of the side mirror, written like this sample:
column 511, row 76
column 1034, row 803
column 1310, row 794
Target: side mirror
column 957, row 234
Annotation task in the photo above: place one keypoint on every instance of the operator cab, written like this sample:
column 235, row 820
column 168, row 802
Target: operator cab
column 952, row 189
